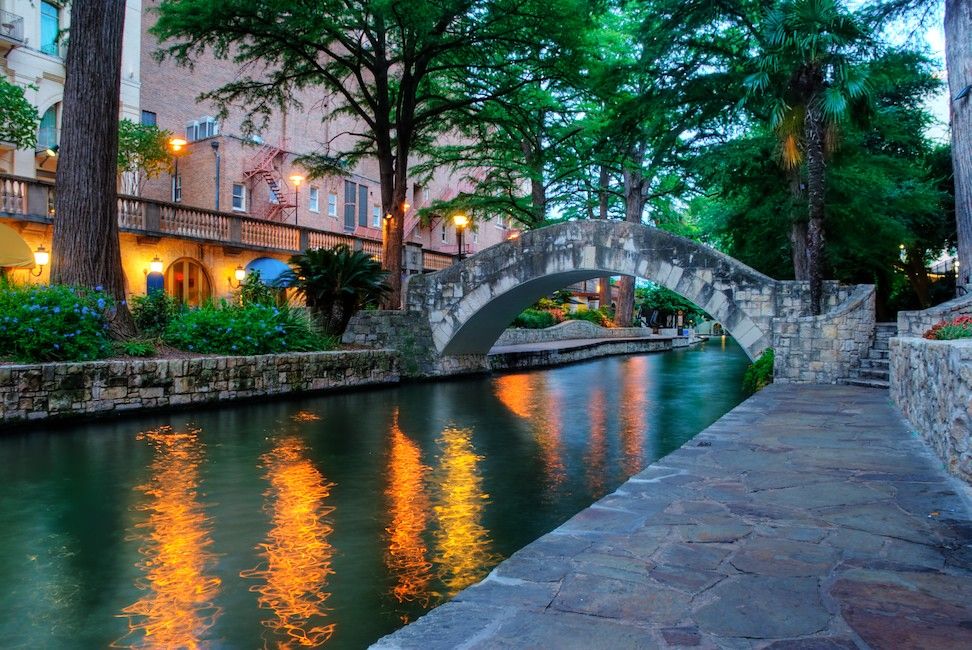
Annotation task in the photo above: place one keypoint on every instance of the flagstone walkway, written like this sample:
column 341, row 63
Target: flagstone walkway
column 807, row 517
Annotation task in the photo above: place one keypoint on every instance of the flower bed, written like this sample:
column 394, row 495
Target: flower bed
column 959, row 327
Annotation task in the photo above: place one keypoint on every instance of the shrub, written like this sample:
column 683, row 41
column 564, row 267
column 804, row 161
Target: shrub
column 535, row 319
column 242, row 330
column 54, row 323
column 135, row 348
column 595, row 316
column 253, row 291
column 152, row 313
column 759, row 374
column 959, row 327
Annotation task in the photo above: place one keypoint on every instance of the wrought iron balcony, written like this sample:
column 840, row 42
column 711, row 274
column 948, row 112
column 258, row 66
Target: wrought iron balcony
column 11, row 28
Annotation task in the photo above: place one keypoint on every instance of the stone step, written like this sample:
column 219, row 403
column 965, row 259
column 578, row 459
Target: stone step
column 876, row 354
column 872, row 373
column 884, row 364
column 892, row 326
column 880, row 344
column 866, row 383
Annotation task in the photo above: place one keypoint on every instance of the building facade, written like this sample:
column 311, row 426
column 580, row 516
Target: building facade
column 231, row 199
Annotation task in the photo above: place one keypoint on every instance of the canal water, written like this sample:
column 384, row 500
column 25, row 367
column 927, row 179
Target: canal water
column 325, row 521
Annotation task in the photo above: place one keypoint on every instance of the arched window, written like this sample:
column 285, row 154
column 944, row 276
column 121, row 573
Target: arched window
column 47, row 131
column 187, row 281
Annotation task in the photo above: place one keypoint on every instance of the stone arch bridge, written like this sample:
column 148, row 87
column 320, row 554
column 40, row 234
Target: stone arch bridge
column 462, row 310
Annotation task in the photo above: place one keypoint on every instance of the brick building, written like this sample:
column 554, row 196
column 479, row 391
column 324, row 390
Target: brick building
column 231, row 203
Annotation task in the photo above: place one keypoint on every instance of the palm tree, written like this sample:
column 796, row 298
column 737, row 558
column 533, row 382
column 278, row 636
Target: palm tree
column 335, row 283
column 810, row 65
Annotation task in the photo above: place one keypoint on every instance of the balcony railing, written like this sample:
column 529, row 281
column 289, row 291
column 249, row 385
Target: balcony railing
column 33, row 200
column 11, row 27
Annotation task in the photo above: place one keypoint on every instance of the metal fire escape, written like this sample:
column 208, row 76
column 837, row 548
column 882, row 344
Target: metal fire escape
column 266, row 165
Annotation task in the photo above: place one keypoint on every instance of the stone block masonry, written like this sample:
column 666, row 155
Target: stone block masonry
column 61, row 390
column 931, row 382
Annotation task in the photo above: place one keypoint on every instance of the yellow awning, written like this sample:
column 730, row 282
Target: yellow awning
column 14, row 251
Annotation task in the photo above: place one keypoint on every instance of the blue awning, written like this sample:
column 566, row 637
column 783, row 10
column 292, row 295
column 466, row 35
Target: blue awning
column 270, row 269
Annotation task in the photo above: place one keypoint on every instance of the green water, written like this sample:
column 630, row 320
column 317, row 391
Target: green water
column 327, row 520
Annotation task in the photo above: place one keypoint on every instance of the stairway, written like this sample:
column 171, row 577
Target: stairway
column 874, row 371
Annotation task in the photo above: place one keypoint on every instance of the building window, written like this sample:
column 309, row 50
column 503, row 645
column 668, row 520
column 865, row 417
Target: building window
column 47, row 130
column 315, row 200
column 350, row 200
column 50, row 27
column 177, row 189
column 187, row 282
column 375, row 216
column 426, row 194
column 149, row 118
column 331, row 204
column 239, row 198
column 443, row 231
column 272, row 196
column 475, row 235
column 205, row 127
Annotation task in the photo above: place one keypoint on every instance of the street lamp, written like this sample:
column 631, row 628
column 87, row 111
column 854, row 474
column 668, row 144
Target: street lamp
column 460, row 221
column 41, row 259
column 296, row 179
column 176, row 148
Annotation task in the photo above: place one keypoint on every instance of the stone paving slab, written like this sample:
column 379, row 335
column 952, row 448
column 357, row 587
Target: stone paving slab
column 809, row 517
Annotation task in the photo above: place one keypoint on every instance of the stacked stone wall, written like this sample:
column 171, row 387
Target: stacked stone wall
column 823, row 349
column 572, row 329
column 931, row 382
column 541, row 358
column 916, row 323
column 58, row 390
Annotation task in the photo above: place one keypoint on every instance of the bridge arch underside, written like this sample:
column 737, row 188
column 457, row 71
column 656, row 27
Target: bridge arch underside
column 470, row 304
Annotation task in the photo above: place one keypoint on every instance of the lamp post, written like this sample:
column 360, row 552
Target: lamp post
column 296, row 179
column 460, row 221
column 176, row 148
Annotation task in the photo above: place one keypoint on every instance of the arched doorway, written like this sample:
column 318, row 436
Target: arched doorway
column 187, row 281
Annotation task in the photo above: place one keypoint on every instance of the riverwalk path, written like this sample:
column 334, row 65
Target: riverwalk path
column 807, row 517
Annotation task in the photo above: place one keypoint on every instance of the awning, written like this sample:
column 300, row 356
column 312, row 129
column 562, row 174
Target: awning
column 14, row 251
column 270, row 269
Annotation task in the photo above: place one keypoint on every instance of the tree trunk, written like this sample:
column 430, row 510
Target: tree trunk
column 798, row 228
column 917, row 274
column 393, row 238
column 538, row 191
column 85, row 250
column 816, row 184
column 604, row 285
column 634, row 205
column 958, row 60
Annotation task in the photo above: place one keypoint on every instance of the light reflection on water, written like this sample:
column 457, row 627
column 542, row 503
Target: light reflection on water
column 174, row 542
column 322, row 521
column 296, row 554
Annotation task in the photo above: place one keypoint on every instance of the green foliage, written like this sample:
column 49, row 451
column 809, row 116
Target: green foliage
column 53, row 323
column 534, row 319
column 759, row 374
column 335, row 283
column 253, row 291
column 153, row 312
column 596, row 316
column 142, row 153
column 666, row 301
column 18, row 118
column 959, row 327
column 135, row 348
column 223, row 328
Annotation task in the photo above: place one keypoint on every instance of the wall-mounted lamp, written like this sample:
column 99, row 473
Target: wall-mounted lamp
column 155, row 266
column 240, row 275
column 41, row 259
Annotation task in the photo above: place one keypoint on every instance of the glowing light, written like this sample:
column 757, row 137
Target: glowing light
column 522, row 393
column 41, row 256
column 156, row 266
column 463, row 547
column 296, row 179
column 305, row 416
column 239, row 274
column 176, row 144
column 174, row 541
column 407, row 557
column 297, row 555
column 460, row 220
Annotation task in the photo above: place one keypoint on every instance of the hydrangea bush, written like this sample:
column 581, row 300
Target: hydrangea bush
column 53, row 323
column 959, row 327
column 223, row 328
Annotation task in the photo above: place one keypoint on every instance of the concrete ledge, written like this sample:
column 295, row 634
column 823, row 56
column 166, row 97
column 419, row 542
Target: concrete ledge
column 931, row 382
column 567, row 330
column 62, row 390
column 572, row 351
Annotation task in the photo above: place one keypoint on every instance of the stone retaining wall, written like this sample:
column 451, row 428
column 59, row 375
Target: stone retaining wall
column 571, row 329
column 822, row 349
column 931, row 382
column 542, row 358
column 916, row 323
column 58, row 390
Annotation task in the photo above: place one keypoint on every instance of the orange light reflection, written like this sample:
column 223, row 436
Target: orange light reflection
column 409, row 506
column 595, row 460
column 463, row 546
column 531, row 398
column 178, row 608
column 297, row 555
column 632, row 422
